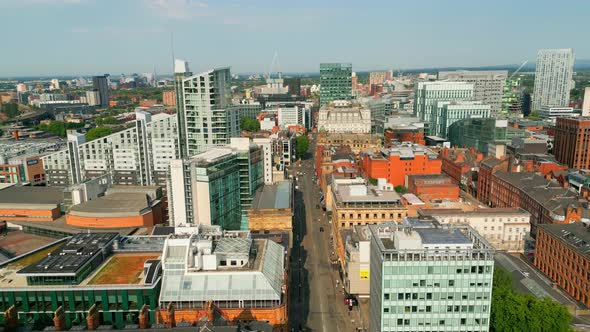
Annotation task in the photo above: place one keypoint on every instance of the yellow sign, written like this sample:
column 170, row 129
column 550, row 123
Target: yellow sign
column 364, row 274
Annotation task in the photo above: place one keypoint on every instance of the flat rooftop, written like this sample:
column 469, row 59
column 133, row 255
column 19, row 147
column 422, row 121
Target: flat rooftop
column 275, row 196
column 492, row 212
column 124, row 267
column 17, row 243
column 59, row 225
column 117, row 204
column 428, row 235
column 121, row 269
column 72, row 256
column 212, row 155
column 360, row 193
column 31, row 197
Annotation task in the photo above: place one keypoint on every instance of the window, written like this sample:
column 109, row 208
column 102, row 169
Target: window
column 386, row 296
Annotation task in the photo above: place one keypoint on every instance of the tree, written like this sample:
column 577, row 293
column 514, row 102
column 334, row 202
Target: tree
column 513, row 311
column 534, row 115
column 301, row 146
column 98, row 132
column 249, row 124
column 400, row 189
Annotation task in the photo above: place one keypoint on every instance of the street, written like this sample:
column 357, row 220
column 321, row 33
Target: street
column 316, row 302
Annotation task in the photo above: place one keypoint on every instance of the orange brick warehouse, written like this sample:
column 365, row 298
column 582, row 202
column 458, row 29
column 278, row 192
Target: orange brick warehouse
column 398, row 161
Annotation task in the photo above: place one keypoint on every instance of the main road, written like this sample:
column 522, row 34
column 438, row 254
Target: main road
column 316, row 298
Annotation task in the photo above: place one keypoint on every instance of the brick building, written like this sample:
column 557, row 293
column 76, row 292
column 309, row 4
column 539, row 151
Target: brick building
column 407, row 134
column 359, row 204
column 487, row 168
column 169, row 98
column 356, row 142
column 562, row 255
column 545, row 200
column 432, row 186
column 396, row 162
column 572, row 142
column 461, row 165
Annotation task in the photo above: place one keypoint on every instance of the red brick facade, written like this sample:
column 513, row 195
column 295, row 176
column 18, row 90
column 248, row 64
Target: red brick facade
column 567, row 267
column 572, row 142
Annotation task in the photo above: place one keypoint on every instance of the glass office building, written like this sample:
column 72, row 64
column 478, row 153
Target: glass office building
column 478, row 133
column 429, row 277
column 335, row 82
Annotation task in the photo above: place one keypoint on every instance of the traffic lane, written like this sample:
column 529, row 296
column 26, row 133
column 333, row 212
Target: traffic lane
column 335, row 295
column 516, row 266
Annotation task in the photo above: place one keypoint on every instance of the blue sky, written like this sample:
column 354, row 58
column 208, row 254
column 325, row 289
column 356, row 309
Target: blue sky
column 59, row 37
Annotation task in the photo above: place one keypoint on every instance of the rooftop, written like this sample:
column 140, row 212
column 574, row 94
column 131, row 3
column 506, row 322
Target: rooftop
column 122, row 269
column 493, row 212
column 113, row 205
column 408, row 150
column 576, row 236
column 425, row 234
column 260, row 279
column 430, row 178
column 275, row 196
column 31, row 197
column 72, row 256
column 360, row 193
column 67, row 256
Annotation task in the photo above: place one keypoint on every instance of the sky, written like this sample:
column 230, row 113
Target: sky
column 85, row 37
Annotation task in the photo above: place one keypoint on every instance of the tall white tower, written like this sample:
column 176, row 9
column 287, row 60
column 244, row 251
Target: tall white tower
column 553, row 77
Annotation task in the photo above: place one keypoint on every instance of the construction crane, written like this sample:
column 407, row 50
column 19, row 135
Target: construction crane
column 274, row 65
column 517, row 70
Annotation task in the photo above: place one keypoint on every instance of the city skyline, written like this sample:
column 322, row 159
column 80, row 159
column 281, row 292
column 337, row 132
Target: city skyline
column 88, row 37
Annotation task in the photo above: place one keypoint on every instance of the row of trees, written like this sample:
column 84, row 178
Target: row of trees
column 59, row 128
column 513, row 311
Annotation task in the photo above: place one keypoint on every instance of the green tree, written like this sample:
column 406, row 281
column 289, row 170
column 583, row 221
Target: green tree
column 249, row 124
column 98, row 132
column 534, row 115
column 301, row 146
column 400, row 189
column 513, row 311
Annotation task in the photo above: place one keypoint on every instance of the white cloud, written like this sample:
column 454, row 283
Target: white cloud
column 178, row 9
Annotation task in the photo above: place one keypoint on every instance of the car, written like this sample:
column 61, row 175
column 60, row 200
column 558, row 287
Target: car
column 525, row 274
column 321, row 229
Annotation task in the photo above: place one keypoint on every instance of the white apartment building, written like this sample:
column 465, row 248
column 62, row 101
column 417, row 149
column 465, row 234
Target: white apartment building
column 553, row 77
column 342, row 116
column 488, row 85
column 204, row 109
column 428, row 94
column 504, row 228
column 139, row 155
